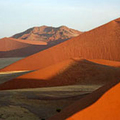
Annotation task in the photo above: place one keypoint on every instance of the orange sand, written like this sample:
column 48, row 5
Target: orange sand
column 72, row 71
column 10, row 47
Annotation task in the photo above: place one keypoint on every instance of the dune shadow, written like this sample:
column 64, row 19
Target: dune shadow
column 23, row 52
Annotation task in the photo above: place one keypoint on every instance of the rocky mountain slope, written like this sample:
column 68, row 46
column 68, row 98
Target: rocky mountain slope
column 47, row 34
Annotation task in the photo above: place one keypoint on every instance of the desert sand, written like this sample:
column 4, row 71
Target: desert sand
column 99, row 43
column 10, row 47
column 7, row 44
column 77, row 79
column 70, row 72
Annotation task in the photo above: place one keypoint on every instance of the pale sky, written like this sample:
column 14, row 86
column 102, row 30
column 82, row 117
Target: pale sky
column 18, row 15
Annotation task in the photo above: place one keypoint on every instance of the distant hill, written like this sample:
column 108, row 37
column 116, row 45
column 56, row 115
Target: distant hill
column 47, row 34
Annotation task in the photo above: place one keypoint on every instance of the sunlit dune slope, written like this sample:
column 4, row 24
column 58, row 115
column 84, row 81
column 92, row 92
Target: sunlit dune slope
column 7, row 44
column 94, row 106
column 30, row 42
column 69, row 72
column 100, row 43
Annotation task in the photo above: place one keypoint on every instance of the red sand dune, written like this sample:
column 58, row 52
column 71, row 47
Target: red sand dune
column 100, row 43
column 73, row 71
column 23, row 52
column 95, row 107
column 10, row 47
column 30, row 42
column 7, row 44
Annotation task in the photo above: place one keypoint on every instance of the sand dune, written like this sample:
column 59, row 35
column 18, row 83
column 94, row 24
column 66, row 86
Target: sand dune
column 23, row 52
column 95, row 107
column 30, row 42
column 10, row 47
column 62, row 65
column 70, row 72
column 7, row 44
column 100, row 43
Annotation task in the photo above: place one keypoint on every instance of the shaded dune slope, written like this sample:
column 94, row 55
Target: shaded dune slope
column 70, row 72
column 4, row 62
column 100, row 43
column 6, row 76
column 99, row 105
column 23, row 52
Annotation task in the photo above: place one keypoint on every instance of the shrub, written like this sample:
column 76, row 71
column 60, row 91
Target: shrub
column 58, row 110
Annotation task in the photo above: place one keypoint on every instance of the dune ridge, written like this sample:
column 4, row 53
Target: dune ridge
column 7, row 44
column 70, row 72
